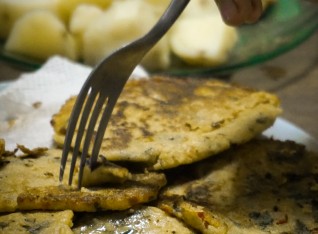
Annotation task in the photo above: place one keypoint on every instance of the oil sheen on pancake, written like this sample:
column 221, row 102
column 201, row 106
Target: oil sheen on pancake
column 165, row 122
column 144, row 219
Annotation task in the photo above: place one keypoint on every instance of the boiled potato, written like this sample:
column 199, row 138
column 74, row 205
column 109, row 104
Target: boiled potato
column 120, row 24
column 198, row 8
column 159, row 2
column 159, row 5
column 200, row 37
column 204, row 41
column 158, row 57
column 98, row 27
column 81, row 18
column 11, row 10
column 66, row 7
column 194, row 7
column 40, row 34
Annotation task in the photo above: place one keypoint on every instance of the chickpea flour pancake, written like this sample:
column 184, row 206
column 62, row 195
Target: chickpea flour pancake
column 32, row 183
column 263, row 186
column 165, row 122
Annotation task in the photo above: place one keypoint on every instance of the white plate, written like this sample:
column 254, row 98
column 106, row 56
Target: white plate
column 285, row 130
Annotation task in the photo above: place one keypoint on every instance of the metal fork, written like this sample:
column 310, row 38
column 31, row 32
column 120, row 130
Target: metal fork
column 103, row 87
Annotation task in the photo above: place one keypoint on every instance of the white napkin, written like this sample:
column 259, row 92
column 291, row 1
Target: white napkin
column 27, row 104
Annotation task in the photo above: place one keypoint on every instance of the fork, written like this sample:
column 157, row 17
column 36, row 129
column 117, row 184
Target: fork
column 101, row 90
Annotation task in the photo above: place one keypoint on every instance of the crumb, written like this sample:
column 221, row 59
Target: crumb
column 37, row 105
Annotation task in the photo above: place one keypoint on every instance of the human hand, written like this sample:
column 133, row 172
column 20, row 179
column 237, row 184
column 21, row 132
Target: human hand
column 237, row 12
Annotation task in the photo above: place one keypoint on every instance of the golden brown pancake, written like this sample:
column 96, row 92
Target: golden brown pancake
column 264, row 186
column 32, row 183
column 139, row 189
column 158, row 123
column 164, row 122
column 37, row 222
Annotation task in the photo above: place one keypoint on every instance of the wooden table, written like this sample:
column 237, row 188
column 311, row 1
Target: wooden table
column 293, row 76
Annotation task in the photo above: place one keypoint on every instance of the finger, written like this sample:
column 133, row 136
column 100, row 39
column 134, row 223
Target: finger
column 237, row 12
column 257, row 10
column 245, row 9
column 249, row 11
column 229, row 11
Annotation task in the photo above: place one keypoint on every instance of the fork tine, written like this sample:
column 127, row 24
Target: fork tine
column 89, row 134
column 71, row 128
column 102, row 128
column 81, row 129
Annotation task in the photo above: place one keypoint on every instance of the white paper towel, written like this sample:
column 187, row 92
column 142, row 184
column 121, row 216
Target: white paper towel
column 27, row 104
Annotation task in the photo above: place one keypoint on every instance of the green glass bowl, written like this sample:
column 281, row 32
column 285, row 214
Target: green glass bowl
column 285, row 25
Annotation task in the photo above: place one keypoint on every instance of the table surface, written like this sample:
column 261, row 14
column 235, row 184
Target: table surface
column 293, row 77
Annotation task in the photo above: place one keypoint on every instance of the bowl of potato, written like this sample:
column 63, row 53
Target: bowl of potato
column 199, row 43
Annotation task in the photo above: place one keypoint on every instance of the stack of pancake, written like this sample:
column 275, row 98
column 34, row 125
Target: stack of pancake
column 183, row 155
